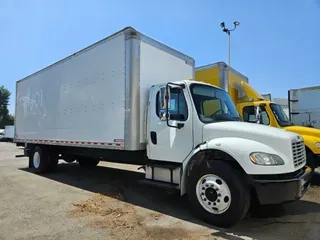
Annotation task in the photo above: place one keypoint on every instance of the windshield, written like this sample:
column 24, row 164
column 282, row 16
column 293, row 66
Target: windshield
column 213, row 104
column 280, row 115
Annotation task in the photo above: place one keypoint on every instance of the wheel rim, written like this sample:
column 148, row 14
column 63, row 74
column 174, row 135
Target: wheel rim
column 36, row 159
column 213, row 194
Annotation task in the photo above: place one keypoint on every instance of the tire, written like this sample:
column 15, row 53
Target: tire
column 88, row 162
column 69, row 159
column 53, row 162
column 40, row 161
column 218, row 194
column 311, row 161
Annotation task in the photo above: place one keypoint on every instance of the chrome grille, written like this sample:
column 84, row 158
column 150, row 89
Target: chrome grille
column 299, row 154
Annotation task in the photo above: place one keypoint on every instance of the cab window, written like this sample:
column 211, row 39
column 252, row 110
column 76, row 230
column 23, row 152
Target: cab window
column 210, row 107
column 178, row 106
column 250, row 116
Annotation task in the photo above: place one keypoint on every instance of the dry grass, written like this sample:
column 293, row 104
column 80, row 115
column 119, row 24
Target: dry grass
column 121, row 220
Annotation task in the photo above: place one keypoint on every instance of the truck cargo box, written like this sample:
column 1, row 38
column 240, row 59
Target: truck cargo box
column 304, row 108
column 97, row 97
column 267, row 96
column 221, row 75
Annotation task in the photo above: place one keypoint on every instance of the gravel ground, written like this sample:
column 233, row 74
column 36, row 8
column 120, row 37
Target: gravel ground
column 107, row 202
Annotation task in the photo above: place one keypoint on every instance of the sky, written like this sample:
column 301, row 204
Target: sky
column 277, row 45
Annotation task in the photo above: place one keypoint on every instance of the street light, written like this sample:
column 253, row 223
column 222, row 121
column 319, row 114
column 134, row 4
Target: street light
column 228, row 31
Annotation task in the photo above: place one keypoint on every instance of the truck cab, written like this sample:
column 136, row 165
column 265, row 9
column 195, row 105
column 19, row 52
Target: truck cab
column 215, row 157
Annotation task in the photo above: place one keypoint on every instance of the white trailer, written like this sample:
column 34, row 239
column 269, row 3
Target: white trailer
column 2, row 134
column 126, row 99
column 304, row 108
column 9, row 132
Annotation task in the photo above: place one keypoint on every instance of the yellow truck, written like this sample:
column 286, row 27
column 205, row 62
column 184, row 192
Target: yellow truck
column 253, row 107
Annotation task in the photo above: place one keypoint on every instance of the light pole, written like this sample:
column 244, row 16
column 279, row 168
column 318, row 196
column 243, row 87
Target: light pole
column 228, row 31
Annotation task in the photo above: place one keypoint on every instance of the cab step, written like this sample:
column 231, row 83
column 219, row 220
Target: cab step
column 160, row 184
column 164, row 174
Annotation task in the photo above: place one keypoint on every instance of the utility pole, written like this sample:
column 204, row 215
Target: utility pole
column 228, row 31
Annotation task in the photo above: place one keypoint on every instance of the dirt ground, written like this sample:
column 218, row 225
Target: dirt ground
column 108, row 202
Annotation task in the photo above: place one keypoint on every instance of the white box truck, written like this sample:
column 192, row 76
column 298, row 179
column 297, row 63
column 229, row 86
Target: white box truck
column 128, row 98
column 9, row 133
column 304, row 107
column 2, row 134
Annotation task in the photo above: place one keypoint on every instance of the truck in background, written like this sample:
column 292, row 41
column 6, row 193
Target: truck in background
column 9, row 133
column 2, row 134
column 304, row 107
column 283, row 102
column 254, row 108
column 267, row 96
column 127, row 98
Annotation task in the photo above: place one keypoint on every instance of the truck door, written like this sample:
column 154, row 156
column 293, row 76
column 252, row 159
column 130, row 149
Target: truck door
column 174, row 142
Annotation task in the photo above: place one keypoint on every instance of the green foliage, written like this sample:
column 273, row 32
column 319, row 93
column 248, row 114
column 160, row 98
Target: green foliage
column 5, row 117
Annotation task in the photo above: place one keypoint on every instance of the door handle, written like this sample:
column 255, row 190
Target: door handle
column 153, row 136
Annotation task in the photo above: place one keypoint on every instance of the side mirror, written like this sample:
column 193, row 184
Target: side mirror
column 164, row 103
column 165, row 97
column 257, row 113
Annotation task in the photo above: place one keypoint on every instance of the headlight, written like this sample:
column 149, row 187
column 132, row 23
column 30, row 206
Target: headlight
column 261, row 158
column 318, row 144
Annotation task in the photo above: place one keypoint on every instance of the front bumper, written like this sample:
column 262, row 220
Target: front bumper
column 282, row 188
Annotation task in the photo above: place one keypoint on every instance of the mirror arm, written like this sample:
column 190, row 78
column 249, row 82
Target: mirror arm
column 167, row 104
column 257, row 113
column 179, row 125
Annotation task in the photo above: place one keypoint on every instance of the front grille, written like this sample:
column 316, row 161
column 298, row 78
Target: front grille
column 299, row 154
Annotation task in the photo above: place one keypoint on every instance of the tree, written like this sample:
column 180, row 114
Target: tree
column 5, row 117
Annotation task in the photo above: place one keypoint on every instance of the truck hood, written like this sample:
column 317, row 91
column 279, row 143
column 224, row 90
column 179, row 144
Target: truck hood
column 304, row 130
column 311, row 136
column 271, row 136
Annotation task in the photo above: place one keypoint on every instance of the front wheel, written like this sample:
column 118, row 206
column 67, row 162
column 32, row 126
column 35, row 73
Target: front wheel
column 218, row 193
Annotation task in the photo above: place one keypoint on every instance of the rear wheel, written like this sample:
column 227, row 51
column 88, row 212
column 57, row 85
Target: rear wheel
column 88, row 162
column 42, row 160
column 54, row 160
column 218, row 193
column 69, row 159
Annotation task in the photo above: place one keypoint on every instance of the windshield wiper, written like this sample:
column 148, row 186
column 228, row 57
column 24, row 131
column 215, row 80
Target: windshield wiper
column 237, row 118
